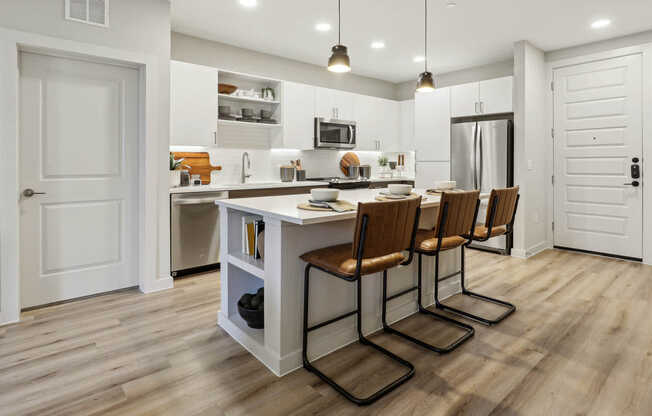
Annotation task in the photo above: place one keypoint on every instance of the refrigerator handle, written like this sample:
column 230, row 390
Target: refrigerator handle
column 475, row 156
column 481, row 158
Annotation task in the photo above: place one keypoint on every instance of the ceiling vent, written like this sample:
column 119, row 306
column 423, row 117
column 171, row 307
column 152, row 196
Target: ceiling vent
column 92, row 12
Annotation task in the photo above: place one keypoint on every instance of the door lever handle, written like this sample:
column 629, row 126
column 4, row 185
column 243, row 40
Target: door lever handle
column 29, row 192
column 632, row 183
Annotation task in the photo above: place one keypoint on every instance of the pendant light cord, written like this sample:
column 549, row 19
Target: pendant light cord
column 425, row 36
column 339, row 22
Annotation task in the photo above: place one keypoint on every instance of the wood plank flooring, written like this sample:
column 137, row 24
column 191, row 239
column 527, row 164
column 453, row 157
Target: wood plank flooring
column 579, row 343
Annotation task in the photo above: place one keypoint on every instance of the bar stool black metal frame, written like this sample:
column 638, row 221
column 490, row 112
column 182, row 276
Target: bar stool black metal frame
column 510, row 307
column 358, row 312
column 468, row 330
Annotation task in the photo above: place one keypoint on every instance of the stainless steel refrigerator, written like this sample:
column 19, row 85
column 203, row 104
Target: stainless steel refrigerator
column 482, row 157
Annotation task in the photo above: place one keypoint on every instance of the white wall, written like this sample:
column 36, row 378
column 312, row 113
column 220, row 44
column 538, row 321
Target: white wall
column 141, row 28
column 531, row 149
column 219, row 55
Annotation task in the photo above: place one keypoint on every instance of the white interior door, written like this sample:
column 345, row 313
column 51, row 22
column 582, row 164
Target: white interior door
column 598, row 132
column 79, row 147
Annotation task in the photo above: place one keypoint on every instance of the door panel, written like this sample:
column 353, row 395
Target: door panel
column 598, row 130
column 496, row 95
column 464, row 99
column 78, row 145
column 464, row 155
column 432, row 128
column 193, row 104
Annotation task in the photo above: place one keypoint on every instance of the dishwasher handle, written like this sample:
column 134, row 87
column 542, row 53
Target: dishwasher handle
column 201, row 200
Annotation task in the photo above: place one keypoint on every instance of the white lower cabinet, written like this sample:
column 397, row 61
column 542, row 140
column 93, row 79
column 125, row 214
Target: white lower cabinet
column 299, row 114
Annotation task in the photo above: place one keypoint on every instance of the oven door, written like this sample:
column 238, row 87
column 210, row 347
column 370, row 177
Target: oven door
column 334, row 134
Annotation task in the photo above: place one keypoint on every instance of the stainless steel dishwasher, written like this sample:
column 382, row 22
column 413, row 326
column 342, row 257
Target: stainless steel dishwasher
column 195, row 231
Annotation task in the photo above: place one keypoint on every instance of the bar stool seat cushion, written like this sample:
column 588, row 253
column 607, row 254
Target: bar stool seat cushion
column 427, row 241
column 481, row 231
column 337, row 259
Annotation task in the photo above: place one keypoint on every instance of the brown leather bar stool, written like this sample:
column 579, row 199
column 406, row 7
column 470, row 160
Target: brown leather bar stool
column 455, row 224
column 501, row 213
column 383, row 231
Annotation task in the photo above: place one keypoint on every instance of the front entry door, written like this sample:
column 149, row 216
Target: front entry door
column 598, row 138
column 78, row 178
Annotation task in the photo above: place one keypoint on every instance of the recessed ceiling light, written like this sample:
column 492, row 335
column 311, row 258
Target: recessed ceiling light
column 600, row 23
column 323, row 27
column 248, row 3
column 419, row 59
column 379, row 44
column 451, row 3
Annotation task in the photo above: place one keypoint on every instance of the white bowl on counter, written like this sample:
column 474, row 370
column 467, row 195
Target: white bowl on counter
column 399, row 189
column 445, row 185
column 324, row 194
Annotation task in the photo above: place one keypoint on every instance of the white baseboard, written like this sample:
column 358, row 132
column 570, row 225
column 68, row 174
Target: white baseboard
column 162, row 283
column 538, row 248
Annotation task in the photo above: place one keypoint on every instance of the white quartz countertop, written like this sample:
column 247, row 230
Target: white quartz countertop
column 249, row 185
column 284, row 208
column 263, row 185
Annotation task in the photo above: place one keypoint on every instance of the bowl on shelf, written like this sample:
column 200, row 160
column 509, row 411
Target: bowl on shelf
column 251, row 308
column 247, row 112
column 399, row 189
column 224, row 110
column 226, row 88
column 266, row 114
column 324, row 194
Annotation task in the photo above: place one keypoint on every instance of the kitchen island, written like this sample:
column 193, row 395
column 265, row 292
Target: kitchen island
column 290, row 232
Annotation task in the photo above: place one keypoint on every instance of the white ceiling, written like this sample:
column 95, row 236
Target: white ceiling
column 473, row 33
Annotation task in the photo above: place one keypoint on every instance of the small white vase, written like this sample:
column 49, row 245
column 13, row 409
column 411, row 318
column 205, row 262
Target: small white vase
column 175, row 178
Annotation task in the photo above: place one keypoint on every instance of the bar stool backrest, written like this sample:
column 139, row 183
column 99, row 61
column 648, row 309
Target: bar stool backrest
column 504, row 201
column 460, row 213
column 390, row 227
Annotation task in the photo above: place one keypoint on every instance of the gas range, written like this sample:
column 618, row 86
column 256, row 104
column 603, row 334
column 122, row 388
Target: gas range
column 344, row 183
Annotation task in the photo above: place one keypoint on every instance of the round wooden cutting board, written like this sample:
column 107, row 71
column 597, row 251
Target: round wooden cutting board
column 349, row 159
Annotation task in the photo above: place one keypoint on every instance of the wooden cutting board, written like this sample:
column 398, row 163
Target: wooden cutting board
column 349, row 159
column 200, row 164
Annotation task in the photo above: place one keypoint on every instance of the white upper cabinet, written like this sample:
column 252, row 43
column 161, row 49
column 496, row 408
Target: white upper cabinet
column 496, row 95
column 299, row 113
column 465, row 99
column 432, row 114
column 335, row 104
column 484, row 97
column 377, row 123
column 193, row 104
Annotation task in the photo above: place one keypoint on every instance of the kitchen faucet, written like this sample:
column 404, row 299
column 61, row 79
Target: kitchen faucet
column 243, row 176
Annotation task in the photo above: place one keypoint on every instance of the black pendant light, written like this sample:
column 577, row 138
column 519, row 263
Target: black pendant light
column 339, row 60
column 425, row 82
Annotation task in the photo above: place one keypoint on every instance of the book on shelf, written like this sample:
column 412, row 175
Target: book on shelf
column 259, row 227
column 250, row 226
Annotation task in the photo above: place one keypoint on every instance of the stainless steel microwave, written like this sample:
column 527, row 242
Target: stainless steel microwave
column 334, row 134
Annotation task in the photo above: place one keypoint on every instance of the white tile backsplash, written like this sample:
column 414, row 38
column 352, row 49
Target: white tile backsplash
column 265, row 163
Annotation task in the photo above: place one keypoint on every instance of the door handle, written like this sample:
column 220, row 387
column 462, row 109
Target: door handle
column 481, row 157
column 633, row 183
column 476, row 108
column 29, row 192
column 475, row 156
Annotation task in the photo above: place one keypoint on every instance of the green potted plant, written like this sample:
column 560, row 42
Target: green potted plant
column 175, row 175
column 384, row 169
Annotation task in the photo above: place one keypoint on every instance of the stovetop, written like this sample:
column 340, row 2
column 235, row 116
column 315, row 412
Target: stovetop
column 344, row 183
column 336, row 179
